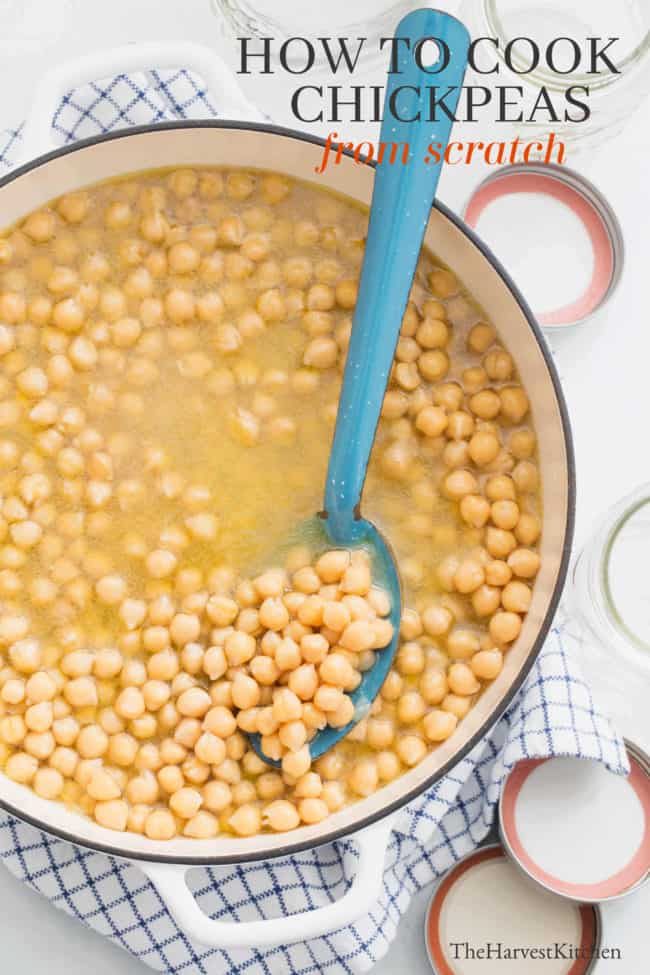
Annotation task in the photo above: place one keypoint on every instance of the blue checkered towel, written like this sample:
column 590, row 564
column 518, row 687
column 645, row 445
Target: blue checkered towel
column 116, row 103
column 553, row 715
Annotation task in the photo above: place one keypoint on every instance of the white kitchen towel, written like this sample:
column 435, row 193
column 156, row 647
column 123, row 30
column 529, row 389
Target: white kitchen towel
column 553, row 715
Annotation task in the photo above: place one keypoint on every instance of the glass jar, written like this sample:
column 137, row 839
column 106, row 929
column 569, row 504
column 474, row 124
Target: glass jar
column 611, row 578
column 613, row 97
column 609, row 597
column 282, row 19
column 276, row 22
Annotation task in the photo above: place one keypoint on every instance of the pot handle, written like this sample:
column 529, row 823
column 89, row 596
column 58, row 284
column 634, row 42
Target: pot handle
column 170, row 882
column 130, row 57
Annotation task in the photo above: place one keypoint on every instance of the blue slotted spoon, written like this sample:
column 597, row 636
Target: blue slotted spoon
column 401, row 203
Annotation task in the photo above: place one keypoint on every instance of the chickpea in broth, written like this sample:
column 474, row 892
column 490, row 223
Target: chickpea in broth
column 171, row 350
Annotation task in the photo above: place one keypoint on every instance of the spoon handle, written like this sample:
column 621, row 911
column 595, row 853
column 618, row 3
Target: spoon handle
column 401, row 202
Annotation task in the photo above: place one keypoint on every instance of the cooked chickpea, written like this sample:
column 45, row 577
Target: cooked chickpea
column 73, row 207
column 221, row 610
column 456, row 705
column 483, row 447
column 380, row 732
column 122, row 749
column 411, row 749
column 343, row 714
column 410, row 707
column 201, row 826
column 499, row 542
column 356, row 579
column 21, row 767
column 462, row 643
column 48, row 783
column 505, row 626
column 160, row 825
column 40, row 226
column 410, row 659
column 481, row 337
column 245, row 691
column 528, row 529
column 439, row 725
column 103, row 786
column 81, row 692
column 296, row 763
column 514, row 403
column 287, row 654
column 185, row 803
column 516, row 597
column 239, row 647
column 217, row 795
column 160, row 563
column 462, row 680
column 469, row 576
column 273, row 614
column 293, row 735
column 433, row 686
column 437, row 620
column 485, row 404
column 485, row 600
column 195, row 702
column 246, row 820
column 281, row 815
column 184, row 628
column 129, row 703
column 220, row 721
column 522, row 444
column 13, row 691
column 303, row 681
column 505, row 514
column 40, row 687
column 312, row 810
column 432, row 421
column 12, row 729
column 487, row 664
column 358, row 636
column 524, row 563
column 525, row 476
column 459, row 483
column 475, row 510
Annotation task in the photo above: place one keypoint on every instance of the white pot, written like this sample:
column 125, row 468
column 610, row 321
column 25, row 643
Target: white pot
column 252, row 145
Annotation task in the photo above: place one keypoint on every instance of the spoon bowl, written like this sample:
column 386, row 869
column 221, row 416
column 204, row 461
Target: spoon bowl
column 314, row 533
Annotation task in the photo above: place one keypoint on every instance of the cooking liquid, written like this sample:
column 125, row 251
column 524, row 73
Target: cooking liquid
column 167, row 406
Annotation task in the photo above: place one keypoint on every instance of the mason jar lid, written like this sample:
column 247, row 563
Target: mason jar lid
column 557, row 236
column 486, row 917
column 577, row 829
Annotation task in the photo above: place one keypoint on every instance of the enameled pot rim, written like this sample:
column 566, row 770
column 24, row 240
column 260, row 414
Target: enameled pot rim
column 497, row 712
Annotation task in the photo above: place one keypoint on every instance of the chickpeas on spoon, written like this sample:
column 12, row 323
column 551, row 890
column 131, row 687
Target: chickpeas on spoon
column 401, row 203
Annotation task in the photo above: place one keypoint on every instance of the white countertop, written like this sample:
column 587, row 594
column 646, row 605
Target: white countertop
column 605, row 380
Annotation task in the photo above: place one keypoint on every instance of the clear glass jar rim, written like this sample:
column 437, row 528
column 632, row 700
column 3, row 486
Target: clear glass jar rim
column 239, row 13
column 497, row 28
column 640, row 499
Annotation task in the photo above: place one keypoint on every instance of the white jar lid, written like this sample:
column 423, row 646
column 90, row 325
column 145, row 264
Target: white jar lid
column 577, row 829
column 555, row 234
column 486, row 918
